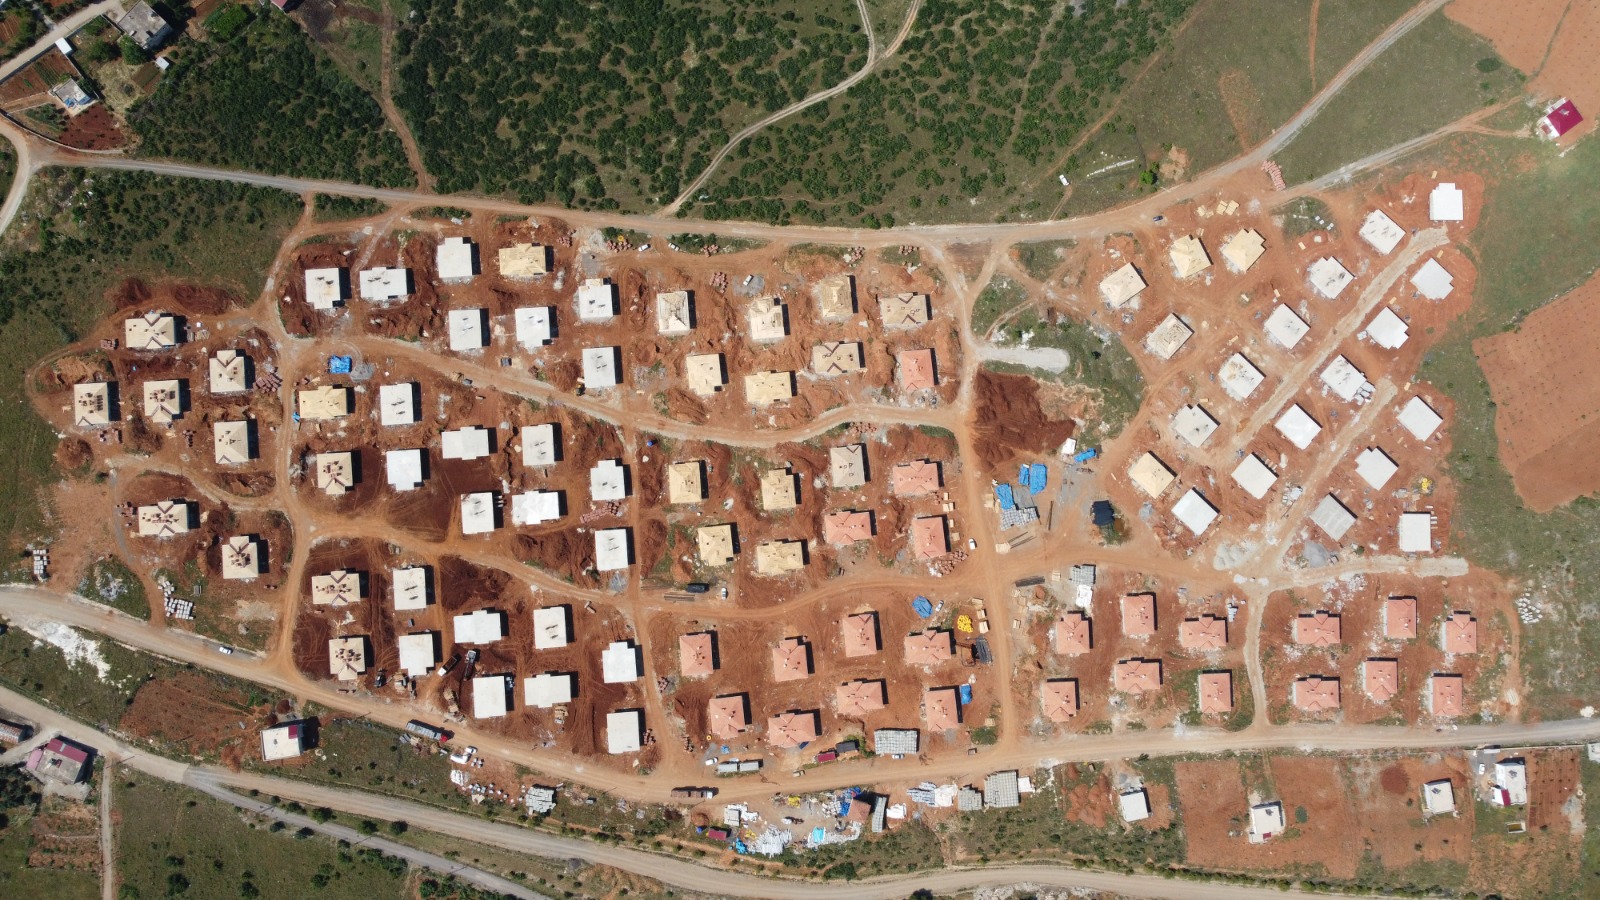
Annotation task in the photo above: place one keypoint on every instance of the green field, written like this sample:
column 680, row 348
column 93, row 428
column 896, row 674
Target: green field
column 1000, row 296
column 267, row 102
column 1428, row 79
column 176, row 841
column 331, row 208
column 1040, row 259
column 21, row 17
column 76, row 686
column 135, row 226
column 110, row 581
column 608, row 106
column 1099, row 362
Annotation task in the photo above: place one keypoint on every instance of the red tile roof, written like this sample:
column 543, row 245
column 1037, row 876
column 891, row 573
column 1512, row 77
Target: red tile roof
column 1137, row 676
column 861, row 634
column 942, row 708
column 728, row 717
column 929, row 537
column 847, row 526
column 1216, row 692
column 911, row 479
column 697, row 654
column 1460, row 633
column 1060, row 698
column 793, row 728
column 791, row 659
column 926, row 648
column 1382, row 678
column 917, row 370
column 1074, row 633
column 855, row 698
column 1400, row 618
column 1449, row 695
column 1562, row 119
column 1313, row 693
column 1318, row 629
column 1207, row 632
column 1139, row 615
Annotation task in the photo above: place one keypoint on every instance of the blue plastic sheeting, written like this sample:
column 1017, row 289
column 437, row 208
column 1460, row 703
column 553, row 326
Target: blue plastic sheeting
column 966, row 694
column 1037, row 476
column 844, row 807
column 338, row 365
column 1022, row 474
column 923, row 607
column 1002, row 492
column 818, row 835
column 739, row 847
column 1086, row 455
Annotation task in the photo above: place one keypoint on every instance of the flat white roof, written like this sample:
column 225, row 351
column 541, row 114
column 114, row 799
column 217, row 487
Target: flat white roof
column 539, row 446
column 1298, row 426
column 403, row 469
column 456, row 259
column 1432, row 280
column 1387, row 330
column 397, row 403
column 325, row 288
column 624, row 731
column 548, row 689
column 1121, row 286
column 674, row 312
column 477, row 512
column 1266, row 820
column 1416, row 532
column 1439, row 796
column 1381, row 232
column 1446, row 203
column 490, row 696
column 1375, row 467
column 385, row 283
column 535, row 325
column 1253, row 475
column 597, row 300
column 1344, row 379
column 608, row 481
column 1332, row 517
column 469, row 329
column 602, row 367
column 1329, row 277
column 1194, row 511
column 410, row 588
column 284, row 741
column 471, row 442
column 621, row 662
column 550, row 627
column 612, row 549
column 1135, row 805
column 1239, row 377
column 1168, row 337
column 1194, row 425
column 1419, row 418
column 418, row 652
column 769, row 319
column 535, row 507
column 482, row 626
column 1285, row 327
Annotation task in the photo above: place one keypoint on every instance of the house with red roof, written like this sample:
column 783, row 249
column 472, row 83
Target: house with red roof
column 1559, row 118
column 915, row 478
column 1216, row 693
column 942, row 708
column 1074, row 633
column 1460, row 633
column 847, row 526
column 1315, row 694
column 1318, row 629
column 859, row 697
column 1060, row 699
column 859, row 634
column 1204, row 633
column 1137, row 676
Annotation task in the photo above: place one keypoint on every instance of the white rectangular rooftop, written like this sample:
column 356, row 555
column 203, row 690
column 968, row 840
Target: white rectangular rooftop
column 1381, row 232
column 397, row 403
column 613, row 549
column 1121, row 286
column 403, row 468
column 325, row 288
column 621, row 662
column 1432, row 280
column 1332, row 517
column 535, row 507
column 1329, row 277
column 1416, row 532
column 457, row 260
column 385, row 284
column 471, row 442
column 1194, row 425
column 418, row 652
column 483, row 626
column 624, row 731
column 539, row 445
column 535, row 325
column 1446, row 203
column 477, row 512
column 550, row 629
column 549, row 689
column 469, row 329
column 608, row 481
column 1419, row 418
column 1253, row 475
column 1168, row 337
column 1285, row 327
column 1387, row 330
column 490, row 696
column 1344, row 379
column 1375, row 467
column 410, row 588
column 1298, row 426
column 1239, row 377
column 1195, row 512
column 1134, row 804
column 597, row 300
column 602, row 367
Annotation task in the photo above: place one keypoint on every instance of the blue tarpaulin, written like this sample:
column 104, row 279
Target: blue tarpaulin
column 844, row 807
column 1002, row 492
column 1037, row 476
column 338, row 365
column 966, row 694
column 1085, row 455
column 1022, row 474
column 739, row 847
column 818, row 835
column 923, row 607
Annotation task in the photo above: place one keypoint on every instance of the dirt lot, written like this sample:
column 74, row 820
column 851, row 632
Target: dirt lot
column 199, row 716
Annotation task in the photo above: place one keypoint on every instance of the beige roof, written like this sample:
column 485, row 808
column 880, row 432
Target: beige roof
column 674, row 312
column 163, row 400
column 1121, row 286
column 1189, row 256
column 904, row 310
column 917, row 369
column 1243, row 249
column 728, row 717
column 166, row 518
column 780, row 557
column 241, row 557
column 836, row 358
column 767, row 388
column 1151, row 475
column 151, row 331
column 780, row 490
column 836, row 297
column 1168, row 337
column 91, row 404
column 331, row 401
column 769, row 319
column 340, row 587
column 230, row 372
column 860, row 634
column 847, row 465
column 335, row 473
column 914, row 478
column 791, row 659
column 704, row 373
column 230, row 442
column 686, row 482
column 347, row 657
column 524, row 260
column 715, row 544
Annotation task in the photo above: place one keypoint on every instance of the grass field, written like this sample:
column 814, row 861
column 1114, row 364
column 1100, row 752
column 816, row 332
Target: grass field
column 267, row 102
column 18, row 880
column 174, row 841
column 76, row 686
column 1428, row 79
column 1099, row 362
column 140, row 226
column 1040, row 259
column 1345, row 27
column 330, row 208
column 110, row 581
column 998, row 297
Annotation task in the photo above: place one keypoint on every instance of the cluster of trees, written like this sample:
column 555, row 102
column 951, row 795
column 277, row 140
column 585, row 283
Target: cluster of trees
column 28, row 29
column 596, row 105
column 979, row 99
column 266, row 101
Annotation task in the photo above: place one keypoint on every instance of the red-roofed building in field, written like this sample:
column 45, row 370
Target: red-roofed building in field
column 1074, row 633
column 1318, row 629
column 1381, row 678
column 697, row 654
column 915, row 478
column 794, row 728
column 1139, row 615
column 929, row 648
column 1559, row 118
column 1216, row 693
column 1137, row 676
column 1206, row 633
column 728, row 717
column 1060, row 698
column 1400, row 618
column 1447, row 695
column 1314, row 693
column 847, row 526
column 860, row 634
column 930, row 537
column 1460, row 633
column 791, row 659
column 917, row 369
column 857, row 698
column 60, row 760
column 942, row 708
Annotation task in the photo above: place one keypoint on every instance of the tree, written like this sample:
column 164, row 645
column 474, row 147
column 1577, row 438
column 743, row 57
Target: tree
column 368, row 827
column 398, row 828
column 132, row 53
column 101, row 52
